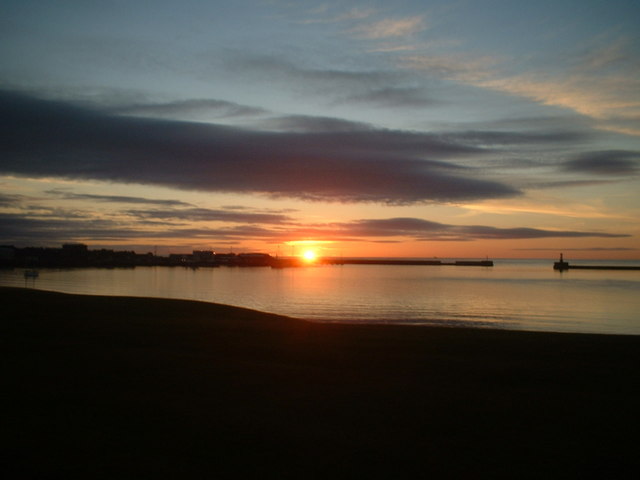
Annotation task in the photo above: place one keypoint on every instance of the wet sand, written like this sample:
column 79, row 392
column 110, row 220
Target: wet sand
column 112, row 387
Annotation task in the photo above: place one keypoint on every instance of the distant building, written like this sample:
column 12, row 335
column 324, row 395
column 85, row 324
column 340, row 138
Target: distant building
column 255, row 259
column 224, row 258
column 205, row 256
column 75, row 248
column 180, row 258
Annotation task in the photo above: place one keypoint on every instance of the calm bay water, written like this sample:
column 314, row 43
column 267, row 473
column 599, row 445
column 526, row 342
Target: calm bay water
column 514, row 294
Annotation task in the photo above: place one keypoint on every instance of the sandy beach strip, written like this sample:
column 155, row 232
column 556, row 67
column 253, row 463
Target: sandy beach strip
column 120, row 387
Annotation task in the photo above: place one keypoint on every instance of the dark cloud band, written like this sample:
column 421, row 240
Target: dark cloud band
column 606, row 162
column 43, row 138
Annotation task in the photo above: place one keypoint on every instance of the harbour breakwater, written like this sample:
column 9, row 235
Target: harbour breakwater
column 394, row 261
column 562, row 266
column 567, row 266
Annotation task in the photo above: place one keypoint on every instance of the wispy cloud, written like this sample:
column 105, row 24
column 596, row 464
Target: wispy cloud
column 26, row 228
column 501, row 137
column 425, row 230
column 392, row 97
column 115, row 198
column 393, row 47
column 459, row 67
column 212, row 215
column 334, row 86
column 390, row 28
column 357, row 13
column 278, row 69
column 551, row 205
column 305, row 123
column 608, row 99
column 602, row 84
column 10, row 200
column 321, row 15
column 190, row 108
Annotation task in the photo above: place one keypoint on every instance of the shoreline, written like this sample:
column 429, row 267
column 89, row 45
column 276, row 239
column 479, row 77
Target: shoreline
column 137, row 387
column 505, row 324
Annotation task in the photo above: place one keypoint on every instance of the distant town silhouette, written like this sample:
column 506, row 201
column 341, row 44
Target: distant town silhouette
column 77, row 255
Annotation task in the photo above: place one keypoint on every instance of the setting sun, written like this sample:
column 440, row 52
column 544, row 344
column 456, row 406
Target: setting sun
column 309, row 255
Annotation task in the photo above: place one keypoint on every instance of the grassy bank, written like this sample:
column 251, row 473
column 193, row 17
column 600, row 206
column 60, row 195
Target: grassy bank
column 111, row 387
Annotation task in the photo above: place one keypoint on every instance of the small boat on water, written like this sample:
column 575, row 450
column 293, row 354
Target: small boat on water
column 31, row 273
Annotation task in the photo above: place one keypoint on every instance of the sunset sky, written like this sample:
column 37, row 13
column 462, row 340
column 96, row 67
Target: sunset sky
column 465, row 128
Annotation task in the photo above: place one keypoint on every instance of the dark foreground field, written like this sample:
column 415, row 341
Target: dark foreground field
column 108, row 387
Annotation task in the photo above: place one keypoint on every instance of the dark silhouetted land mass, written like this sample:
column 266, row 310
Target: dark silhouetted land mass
column 106, row 387
column 78, row 255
